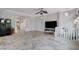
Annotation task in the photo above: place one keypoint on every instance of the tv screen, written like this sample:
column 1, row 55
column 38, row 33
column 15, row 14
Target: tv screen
column 50, row 24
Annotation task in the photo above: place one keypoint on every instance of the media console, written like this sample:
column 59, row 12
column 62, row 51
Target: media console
column 49, row 30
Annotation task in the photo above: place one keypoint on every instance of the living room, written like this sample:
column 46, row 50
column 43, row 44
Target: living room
column 38, row 28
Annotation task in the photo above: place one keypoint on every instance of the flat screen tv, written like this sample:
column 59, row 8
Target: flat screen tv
column 50, row 24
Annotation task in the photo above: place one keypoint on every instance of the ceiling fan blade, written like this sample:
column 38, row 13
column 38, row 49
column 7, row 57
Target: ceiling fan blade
column 45, row 12
column 42, row 12
column 38, row 12
column 41, row 9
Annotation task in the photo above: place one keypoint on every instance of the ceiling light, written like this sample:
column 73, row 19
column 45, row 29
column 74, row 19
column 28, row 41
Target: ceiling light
column 66, row 13
column 75, row 21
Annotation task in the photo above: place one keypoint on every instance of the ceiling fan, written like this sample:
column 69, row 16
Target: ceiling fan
column 42, row 11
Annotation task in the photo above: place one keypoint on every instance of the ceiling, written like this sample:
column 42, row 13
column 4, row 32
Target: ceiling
column 32, row 11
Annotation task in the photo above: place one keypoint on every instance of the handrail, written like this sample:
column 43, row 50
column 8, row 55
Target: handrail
column 66, row 33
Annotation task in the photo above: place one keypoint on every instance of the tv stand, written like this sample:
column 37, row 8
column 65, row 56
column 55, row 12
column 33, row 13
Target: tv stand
column 49, row 30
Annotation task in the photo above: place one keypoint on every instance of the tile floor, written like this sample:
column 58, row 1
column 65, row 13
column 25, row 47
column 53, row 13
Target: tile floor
column 35, row 40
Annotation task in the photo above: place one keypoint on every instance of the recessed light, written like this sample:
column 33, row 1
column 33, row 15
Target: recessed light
column 66, row 13
column 75, row 21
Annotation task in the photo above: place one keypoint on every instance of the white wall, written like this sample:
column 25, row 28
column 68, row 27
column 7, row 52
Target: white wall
column 77, row 23
column 67, row 21
column 9, row 15
column 31, row 23
column 36, row 23
column 28, row 23
column 39, row 21
column 51, row 17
